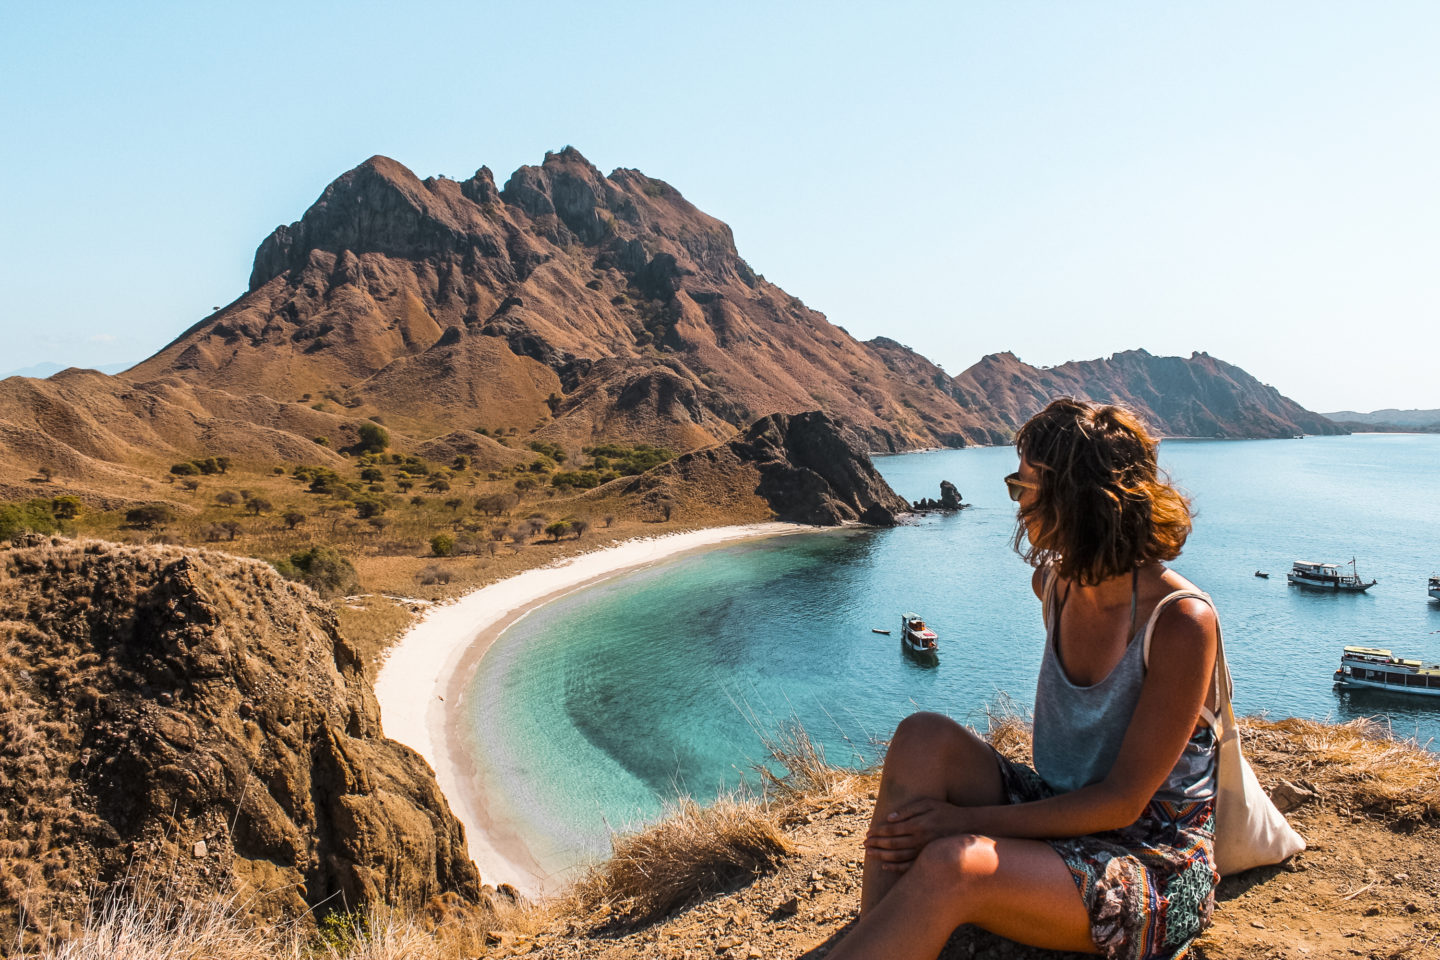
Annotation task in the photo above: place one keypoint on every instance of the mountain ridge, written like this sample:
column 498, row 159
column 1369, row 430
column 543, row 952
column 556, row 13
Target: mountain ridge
column 567, row 307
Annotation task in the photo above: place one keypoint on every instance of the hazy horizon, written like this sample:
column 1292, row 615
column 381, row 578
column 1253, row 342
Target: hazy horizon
column 1064, row 182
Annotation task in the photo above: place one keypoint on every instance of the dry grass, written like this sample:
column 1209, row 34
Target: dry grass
column 1358, row 763
column 151, row 925
column 694, row 852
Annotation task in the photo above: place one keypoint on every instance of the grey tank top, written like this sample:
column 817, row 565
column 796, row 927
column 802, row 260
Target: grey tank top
column 1078, row 729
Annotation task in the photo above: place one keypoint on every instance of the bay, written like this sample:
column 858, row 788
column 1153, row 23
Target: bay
column 596, row 710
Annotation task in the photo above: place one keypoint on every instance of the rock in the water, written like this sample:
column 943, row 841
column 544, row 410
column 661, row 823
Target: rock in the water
column 949, row 496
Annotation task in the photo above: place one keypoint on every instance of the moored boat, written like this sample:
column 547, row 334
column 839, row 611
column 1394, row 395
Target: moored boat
column 1380, row 670
column 1327, row 576
column 918, row 640
column 1434, row 587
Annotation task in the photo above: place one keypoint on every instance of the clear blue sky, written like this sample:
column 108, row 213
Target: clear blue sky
column 1061, row 179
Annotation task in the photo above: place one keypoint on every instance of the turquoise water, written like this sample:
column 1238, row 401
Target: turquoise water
column 598, row 708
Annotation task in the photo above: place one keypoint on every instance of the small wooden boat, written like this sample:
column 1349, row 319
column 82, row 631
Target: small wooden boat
column 878, row 630
column 1262, row 575
column 1379, row 670
column 919, row 641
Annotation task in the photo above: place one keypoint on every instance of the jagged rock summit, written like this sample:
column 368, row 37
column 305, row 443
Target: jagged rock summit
column 190, row 721
column 569, row 303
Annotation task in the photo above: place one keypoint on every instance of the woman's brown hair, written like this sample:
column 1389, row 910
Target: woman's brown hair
column 1102, row 507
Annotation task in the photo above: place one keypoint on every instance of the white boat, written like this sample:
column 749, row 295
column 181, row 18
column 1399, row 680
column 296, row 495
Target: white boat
column 918, row 640
column 1327, row 576
column 1380, row 670
column 1434, row 588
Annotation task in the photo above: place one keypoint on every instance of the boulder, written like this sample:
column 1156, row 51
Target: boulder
column 191, row 719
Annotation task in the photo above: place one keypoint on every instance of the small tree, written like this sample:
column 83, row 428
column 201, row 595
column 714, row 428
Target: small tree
column 557, row 529
column 223, row 463
column 231, row 527
column 46, row 473
column 442, row 544
column 461, row 462
column 667, row 507
column 373, row 437
column 186, row 469
column 609, row 519
column 438, row 485
column 149, row 516
column 372, row 475
column 227, row 498
column 66, row 507
column 190, row 483
column 258, row 505
column 292, row 518
column 579, row 526
column 367, row 507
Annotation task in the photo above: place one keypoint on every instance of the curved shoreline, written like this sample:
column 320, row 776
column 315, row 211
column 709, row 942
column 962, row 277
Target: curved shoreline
column 423, row 675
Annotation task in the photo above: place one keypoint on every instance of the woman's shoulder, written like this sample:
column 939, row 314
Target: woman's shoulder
column 1186, row 614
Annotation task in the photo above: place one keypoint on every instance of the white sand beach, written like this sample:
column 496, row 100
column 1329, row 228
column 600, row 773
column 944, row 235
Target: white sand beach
column 424, row 674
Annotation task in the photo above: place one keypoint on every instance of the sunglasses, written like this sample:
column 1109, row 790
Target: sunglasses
column 1015, row 485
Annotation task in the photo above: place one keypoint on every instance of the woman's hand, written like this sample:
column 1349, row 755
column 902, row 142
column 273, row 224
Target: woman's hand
column 909, row 827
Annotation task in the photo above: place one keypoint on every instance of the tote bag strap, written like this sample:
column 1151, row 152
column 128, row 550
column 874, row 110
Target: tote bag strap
column 1222, row 719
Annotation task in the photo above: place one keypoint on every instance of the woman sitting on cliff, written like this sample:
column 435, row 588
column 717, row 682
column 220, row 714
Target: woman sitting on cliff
column 1107, row 845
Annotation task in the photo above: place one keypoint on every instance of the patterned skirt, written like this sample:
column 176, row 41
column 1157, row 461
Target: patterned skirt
column 1149, row 888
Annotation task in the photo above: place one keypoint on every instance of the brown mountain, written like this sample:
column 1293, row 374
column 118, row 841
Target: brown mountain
column 1197, row 396
column 583, row 306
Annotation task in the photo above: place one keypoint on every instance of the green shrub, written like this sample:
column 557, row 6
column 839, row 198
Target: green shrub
column 150, row 516
column 323, row 569
column 442, row 544
column 32, row 516
column 373, row 437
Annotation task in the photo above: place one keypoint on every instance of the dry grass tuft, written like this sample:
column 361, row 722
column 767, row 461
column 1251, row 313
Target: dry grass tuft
column 808, row 775
column 694, row 852
column 1359, row 763
column 145, row 927
column 1007, row 729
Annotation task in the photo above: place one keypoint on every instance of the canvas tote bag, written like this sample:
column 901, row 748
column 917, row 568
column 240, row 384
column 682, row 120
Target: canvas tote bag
column 1249, row 830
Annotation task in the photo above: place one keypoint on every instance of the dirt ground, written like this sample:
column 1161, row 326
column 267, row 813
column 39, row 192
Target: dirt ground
column 1368, row 886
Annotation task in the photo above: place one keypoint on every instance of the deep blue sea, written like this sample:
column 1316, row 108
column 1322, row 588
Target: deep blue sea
column 597, row 709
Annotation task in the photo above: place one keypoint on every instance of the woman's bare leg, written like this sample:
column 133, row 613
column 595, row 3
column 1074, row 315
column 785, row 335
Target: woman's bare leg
column 930, row 756
column 1019, row 889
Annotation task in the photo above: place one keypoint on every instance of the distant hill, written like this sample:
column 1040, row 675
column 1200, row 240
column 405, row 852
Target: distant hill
column 41, row 370
column 568, row 308
column 1198, row 396
column 1389, row 418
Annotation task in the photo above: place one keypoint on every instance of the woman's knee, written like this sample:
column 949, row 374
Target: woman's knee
column 925, row 729
column 935, row 736
column 956, row 864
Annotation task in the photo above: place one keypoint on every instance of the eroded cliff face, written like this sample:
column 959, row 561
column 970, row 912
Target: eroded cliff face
column 805, row 468
column 190, row 720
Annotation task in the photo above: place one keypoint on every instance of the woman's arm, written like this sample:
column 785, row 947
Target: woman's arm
column 1182, row 661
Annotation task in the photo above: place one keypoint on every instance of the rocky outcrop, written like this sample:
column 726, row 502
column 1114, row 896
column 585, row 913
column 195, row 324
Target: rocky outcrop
column 803, row 468
column 191, row 720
